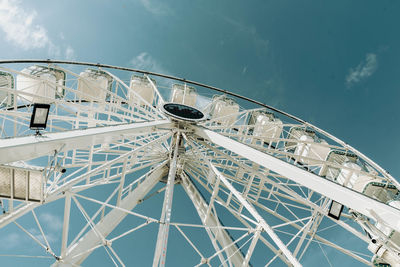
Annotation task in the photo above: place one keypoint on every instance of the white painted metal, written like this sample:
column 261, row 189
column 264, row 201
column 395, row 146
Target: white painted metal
column 39, row 81
column 224, row 110
column 111, row 220
column 184, row 94
column 160, row 252
column 6, row 82
column 266, row 126
column 142, row 87
column 160, row 97
column 67, row 210
column 249, row 253
column 311, row 152
column 135, row 97
column 11, row 216
column 93, row 85
column 21, row 183
column 257, row 216
column 352, row 199
column 248, row 167
column 211, row 220
column 23, row 148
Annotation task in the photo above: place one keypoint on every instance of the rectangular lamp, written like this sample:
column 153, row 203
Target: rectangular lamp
column 335, row 210
column 39, row 116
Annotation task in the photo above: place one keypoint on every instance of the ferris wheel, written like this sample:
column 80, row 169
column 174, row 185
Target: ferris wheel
column 108, row 165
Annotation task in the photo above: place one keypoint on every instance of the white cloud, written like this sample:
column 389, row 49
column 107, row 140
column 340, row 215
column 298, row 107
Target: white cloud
column 51, row 221
column 12, row 240
column 272, row 91
column 18, row 239
column 156, row 7
column 365, row 69
column 70, row 53
column 259, row 42
column 144, row 61
column 61, row 36
column 21, row 30
column 19, row 27
column 50, row 237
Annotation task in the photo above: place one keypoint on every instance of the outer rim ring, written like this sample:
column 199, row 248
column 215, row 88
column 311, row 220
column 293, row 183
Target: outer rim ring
column 99, row 65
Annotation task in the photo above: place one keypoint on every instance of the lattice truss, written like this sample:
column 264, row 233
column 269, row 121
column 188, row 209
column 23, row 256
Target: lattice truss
column 114, row 180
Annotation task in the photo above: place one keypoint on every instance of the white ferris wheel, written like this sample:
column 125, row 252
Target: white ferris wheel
column 116, row 166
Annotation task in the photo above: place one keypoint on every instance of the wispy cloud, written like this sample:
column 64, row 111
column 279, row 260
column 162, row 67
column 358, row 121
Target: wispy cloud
column 145, row 61
column 156, row 7
column 69, row 53
column 53, row 222
column 260, row 43
column 17, row 239
column 21, row 30
column 12, row 240
column 271, row 92
column 50, row 224
column 365, row 69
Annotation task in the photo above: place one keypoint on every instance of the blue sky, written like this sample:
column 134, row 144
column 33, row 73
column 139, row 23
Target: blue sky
column 332, row 63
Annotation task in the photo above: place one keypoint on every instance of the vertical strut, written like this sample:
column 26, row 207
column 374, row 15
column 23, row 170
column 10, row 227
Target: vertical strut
column 162, row 238
column 257, row 216
column 67, row 210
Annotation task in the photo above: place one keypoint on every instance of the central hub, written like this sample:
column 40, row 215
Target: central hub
column 183, row 112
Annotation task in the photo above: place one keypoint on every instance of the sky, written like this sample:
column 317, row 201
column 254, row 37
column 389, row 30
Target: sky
column 332, row 63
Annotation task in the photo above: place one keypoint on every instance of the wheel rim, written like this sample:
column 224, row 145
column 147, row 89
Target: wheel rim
column 261, row 181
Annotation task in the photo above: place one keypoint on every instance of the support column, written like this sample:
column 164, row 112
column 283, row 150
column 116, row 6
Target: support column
column 162, row 238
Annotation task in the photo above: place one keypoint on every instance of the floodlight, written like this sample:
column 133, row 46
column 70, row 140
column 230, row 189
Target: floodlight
column 335, row 210
column 39, row 117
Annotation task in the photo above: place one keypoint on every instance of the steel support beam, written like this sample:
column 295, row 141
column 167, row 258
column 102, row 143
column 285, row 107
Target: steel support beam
column 160, row 253
column 346, row 196
column 6, row 218
column 209, row 219
column 67, row 209
column 28, row 147
column 260, row 220
column 110, row 221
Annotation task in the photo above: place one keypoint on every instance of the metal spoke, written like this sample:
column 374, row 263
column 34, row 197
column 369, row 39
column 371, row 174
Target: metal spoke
column 162, row 238
column 261, row 181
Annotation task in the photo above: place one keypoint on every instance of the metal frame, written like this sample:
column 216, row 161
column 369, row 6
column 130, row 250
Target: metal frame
column 277, row 198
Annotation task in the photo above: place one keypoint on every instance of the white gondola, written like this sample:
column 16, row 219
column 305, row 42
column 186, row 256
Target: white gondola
column 21, row 183
column 42, row 84
column 224, row 110
column 266, row 126
column 310, row 149
column 346, row 170
column 93, row 85
column 378, row 190
column 183, row 94
column 6, row 83
column 140, row 85
column 334, row 161
column 391, row 236
column 101, row 155
column 353, row 176
column 364, row 180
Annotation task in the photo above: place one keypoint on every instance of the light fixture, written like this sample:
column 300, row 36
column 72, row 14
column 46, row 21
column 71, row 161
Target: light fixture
column 39, row 117
column 335, row 210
